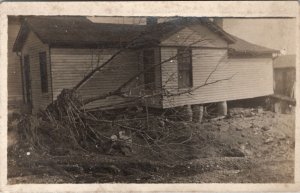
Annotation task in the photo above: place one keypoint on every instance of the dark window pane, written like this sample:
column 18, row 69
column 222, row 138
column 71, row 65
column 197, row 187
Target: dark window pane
column 149, row 75
column 43, row 72
column 184, row 79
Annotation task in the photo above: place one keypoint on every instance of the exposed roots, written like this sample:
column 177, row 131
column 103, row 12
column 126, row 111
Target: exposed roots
column 66, row 125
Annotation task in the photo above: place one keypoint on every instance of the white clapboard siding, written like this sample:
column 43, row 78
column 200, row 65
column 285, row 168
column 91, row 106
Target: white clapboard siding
column 252, row 77
column 33, row 46
column 197, row 35
column 69, row 66
column 14, row 76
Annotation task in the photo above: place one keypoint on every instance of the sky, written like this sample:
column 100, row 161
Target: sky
column 272, row 33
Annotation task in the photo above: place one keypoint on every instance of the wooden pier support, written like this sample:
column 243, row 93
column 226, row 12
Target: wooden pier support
column 222, row 108
column 197, row 113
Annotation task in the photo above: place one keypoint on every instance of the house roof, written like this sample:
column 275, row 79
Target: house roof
column 72, row 31
column 285, row 61
column 242, row 47
column 164, row 30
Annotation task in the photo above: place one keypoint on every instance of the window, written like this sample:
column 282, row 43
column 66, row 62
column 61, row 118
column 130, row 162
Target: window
column 149, row 75
column 185, row 73
column 43, row 72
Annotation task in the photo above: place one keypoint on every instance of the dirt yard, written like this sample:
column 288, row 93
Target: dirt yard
column 249, row 146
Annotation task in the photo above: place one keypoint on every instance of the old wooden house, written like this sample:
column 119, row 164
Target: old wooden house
column 57, row 52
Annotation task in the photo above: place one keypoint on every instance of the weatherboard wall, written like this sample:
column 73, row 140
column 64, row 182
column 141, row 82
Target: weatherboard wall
column 69, row 66
column 247, row 77
column 32, row 47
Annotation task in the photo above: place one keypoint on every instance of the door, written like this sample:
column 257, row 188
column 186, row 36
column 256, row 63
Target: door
column 27, row 81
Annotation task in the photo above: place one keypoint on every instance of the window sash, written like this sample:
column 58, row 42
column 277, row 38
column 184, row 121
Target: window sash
column 149, row 75
column 43, row 72
column 185, row 72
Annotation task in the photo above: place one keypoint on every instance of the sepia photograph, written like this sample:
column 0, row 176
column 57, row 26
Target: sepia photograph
column 151, row 99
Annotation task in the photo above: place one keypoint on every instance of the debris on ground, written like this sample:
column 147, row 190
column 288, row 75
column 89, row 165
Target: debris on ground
column 67, row 144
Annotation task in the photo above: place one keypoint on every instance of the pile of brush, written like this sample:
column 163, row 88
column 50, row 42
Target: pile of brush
column 65, row 124
column 67, row 105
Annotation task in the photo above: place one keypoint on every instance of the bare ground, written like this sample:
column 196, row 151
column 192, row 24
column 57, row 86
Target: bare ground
column 245, row 148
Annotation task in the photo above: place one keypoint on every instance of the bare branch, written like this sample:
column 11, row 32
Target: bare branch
column 215, row 69
column 99, row 68
column 189, row 91
column 118, row 91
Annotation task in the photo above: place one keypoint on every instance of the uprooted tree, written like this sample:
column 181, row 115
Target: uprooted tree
column 66, row 123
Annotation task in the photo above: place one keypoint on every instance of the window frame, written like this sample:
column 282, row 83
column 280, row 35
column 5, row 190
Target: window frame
column 44, row 72
column 184, row 68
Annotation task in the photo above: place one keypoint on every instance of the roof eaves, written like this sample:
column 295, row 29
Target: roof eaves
column 253, row 52
column 21, row 37
column 247, row 48
column 285, row 61
column 233, row 53
column 182, row 23
column 31, row 27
